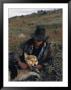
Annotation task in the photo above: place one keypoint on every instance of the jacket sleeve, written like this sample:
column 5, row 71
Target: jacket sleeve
column 19, row 54
column 21, row 49
column 47, row 56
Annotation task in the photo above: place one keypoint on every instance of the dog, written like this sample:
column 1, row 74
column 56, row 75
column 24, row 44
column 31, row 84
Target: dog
column 23, row 75
column 31, row 60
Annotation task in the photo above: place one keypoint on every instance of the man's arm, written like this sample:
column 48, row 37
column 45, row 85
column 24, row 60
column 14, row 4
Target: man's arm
column 47, row 57
column 19, row 56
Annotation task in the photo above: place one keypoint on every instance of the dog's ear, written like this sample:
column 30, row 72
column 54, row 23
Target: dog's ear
column 25, row 55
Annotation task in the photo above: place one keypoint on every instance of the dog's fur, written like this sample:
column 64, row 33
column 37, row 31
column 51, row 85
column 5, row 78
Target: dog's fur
column 24, row 74
column 31, row 60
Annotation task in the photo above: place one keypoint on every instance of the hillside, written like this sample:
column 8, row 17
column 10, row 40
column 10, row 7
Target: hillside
column 23, row 26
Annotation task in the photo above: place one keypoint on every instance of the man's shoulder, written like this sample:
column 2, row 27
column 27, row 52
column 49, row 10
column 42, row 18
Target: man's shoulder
column 28, row 42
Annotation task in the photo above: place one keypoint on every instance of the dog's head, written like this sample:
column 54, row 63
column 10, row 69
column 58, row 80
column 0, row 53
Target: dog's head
column 31, row 60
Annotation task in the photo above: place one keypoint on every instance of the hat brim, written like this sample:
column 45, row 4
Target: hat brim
column 39, row 37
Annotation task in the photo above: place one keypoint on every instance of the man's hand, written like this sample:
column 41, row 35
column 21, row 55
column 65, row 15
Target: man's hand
column 39, row 66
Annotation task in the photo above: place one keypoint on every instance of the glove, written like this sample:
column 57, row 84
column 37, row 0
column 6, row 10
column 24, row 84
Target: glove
column 39, row 66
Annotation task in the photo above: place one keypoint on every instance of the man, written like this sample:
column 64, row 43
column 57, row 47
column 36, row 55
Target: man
column 38, row 45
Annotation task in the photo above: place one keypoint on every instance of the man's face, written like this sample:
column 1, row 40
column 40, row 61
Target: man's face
column 37, row 43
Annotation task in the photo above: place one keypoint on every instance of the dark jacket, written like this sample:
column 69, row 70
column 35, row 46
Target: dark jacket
column 43, row 53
